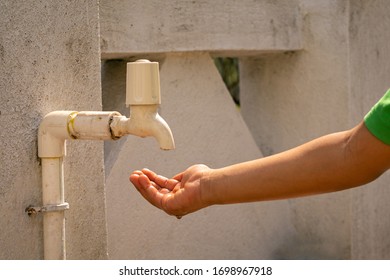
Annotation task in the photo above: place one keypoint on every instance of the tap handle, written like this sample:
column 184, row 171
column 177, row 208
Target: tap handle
column 142, row 83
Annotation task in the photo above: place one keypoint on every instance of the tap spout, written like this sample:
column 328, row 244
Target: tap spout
column 144, row 121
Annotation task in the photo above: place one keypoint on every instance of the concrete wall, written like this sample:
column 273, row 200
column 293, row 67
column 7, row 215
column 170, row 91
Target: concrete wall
column 206, row 125
column 369, row 67
column 329, row 86
column 290, row 98
column 307, row 68
column 315, row 84
column 208, row 129
column 49, row 60
column 218, row 26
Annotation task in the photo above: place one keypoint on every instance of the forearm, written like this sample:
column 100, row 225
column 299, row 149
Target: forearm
column 330, row 163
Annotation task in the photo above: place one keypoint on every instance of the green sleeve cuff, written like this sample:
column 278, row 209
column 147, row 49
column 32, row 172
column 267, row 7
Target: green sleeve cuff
column 377, row 120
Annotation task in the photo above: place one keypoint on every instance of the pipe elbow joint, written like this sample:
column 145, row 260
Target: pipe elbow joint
column 52, row 134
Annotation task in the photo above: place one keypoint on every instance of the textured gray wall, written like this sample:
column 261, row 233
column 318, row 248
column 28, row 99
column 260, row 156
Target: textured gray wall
column 329, row 86
column 49, row 60
column 369, row 38
column 207, row 128
column 291, row 98
column 219, row 26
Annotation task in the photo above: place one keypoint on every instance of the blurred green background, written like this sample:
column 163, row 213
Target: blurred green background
column 228, row 68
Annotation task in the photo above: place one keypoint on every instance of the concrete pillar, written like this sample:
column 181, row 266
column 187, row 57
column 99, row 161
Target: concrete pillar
column 50, row 60
column 288, row 99
column 369, row 67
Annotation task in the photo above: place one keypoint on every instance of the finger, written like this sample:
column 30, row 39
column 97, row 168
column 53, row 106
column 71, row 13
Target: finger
column 144, row 181
column 151, row 175
column 141, row 180
column 162, row 181
column 148, row 189
column 179, row 176
column 134, row 179
column 158, row 197
column 150, row 192
column 134, row 176
column 165, row 182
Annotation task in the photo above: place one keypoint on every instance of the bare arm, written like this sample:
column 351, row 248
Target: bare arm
column 331, row 163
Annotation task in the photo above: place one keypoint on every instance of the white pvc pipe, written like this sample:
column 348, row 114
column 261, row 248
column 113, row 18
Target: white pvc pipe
column 53, row 222
column 143, row 95
column 55, row 129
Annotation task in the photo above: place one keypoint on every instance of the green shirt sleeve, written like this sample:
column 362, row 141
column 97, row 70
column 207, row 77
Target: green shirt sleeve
column 377, row 119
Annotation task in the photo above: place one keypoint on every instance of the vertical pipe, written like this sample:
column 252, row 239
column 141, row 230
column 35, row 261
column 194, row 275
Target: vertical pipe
column 53, row 222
